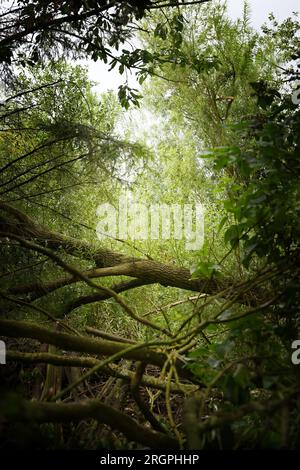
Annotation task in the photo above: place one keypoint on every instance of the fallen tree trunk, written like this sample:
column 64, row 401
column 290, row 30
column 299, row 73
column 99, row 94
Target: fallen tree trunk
column 109, row 263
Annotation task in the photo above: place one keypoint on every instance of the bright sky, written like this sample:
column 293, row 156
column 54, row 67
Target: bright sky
column 260, row 9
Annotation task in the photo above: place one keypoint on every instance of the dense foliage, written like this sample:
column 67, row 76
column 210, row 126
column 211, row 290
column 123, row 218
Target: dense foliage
column 131, row 343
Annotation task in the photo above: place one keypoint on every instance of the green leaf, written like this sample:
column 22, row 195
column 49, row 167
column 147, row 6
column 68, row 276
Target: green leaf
column 199, row 352
column 232, row 235
column 161, row 31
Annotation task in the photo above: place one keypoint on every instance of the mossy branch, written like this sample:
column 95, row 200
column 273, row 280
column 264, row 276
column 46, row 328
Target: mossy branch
column 39, row 412
column 88, row 362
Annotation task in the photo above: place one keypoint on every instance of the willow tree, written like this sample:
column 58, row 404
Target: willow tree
column 228, row 346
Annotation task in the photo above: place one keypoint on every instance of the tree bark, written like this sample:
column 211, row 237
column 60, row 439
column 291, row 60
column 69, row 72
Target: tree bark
column 65, row 341
column 39, row 412
column 89, row 362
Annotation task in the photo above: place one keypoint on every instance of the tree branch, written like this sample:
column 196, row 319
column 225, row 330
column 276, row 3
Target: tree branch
column 39, row 412
column 89, row 362
column 65, row 341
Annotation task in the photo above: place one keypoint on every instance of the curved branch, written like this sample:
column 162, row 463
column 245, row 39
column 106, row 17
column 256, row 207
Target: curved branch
column 65, row 341
column 89, row 362
column 98, row 297
column 39, row 412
